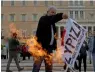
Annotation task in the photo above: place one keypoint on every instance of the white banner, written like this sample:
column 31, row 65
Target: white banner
column 74, row 38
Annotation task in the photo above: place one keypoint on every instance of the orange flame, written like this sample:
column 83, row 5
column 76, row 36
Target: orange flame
column 13, row 29
column 34, row 47
column 57, row 55
column 36, row 50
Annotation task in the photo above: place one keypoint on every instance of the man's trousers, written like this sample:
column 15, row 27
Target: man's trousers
column 37, row 63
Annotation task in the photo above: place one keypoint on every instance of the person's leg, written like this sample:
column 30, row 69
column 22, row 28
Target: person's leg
column 93, row 55
column 1, row 56
column 4, row 56
column 76, row 66
column 28, row 55
column 80, row 60
column 16, row 61
column 48, row 63
column 84, row 61
column 65, row 66
column 9, row 61
column 18, row 55
column 90, row 55
column 37, row 64
column 23, row 56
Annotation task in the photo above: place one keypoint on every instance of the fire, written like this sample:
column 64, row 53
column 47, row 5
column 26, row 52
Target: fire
column 58, row 54
column 35, row 48
column 13, row 29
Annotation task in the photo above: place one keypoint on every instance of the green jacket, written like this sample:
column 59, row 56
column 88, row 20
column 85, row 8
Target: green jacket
column 13, row 43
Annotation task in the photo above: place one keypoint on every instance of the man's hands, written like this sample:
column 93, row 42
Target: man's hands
column 64, row 16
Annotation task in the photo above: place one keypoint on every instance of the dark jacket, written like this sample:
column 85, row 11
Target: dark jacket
column 83, row 49
column 43, row 32
column 13, row 43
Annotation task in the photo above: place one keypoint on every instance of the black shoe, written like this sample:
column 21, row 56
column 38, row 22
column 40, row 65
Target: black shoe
column 20, row 69
column 8, row 71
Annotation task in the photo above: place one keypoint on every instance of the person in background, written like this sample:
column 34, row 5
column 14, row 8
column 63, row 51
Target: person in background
column 28, row 54
column 19, row 53
column 93, row 50
column 13, row 44
column 90, row 38
column 83, row 55
column 4, row 52
column 7, row 46
column 24, row 51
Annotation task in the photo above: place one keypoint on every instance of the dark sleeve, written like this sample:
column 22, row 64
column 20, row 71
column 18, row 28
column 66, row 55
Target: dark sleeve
column 39, row 29
column 56, row 18
column 17, row 42
column 86, row 46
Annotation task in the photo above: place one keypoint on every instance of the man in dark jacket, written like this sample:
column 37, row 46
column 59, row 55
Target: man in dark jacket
column 46, row 32
column 13, row 43
column 83, row 55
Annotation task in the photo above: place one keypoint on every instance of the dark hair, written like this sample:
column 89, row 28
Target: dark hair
column 14, row 34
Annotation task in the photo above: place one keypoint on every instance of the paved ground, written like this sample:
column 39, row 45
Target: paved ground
column 28, row 65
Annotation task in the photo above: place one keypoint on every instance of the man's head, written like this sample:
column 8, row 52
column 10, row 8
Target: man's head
column 14, row 35
column 51, row 11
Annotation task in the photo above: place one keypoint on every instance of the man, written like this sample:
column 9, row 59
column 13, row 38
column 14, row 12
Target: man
column 90, row 46
column 4, row 51
column 93, row 51
column 46, row 33
column 13, row 43
column 83, row 55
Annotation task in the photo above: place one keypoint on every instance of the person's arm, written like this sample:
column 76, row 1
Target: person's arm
column 58, row 17
column 86, row 46
column 39, row 29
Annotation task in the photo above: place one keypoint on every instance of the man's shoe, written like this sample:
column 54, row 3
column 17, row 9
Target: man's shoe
column 20, row 69
column 8, row 71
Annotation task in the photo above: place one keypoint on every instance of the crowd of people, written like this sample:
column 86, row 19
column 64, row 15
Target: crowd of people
column 48, row 41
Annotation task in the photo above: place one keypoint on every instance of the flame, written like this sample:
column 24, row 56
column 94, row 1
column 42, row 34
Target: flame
column 36, row 50
column 58, row 54
column 34, row 47
column 13, row 29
